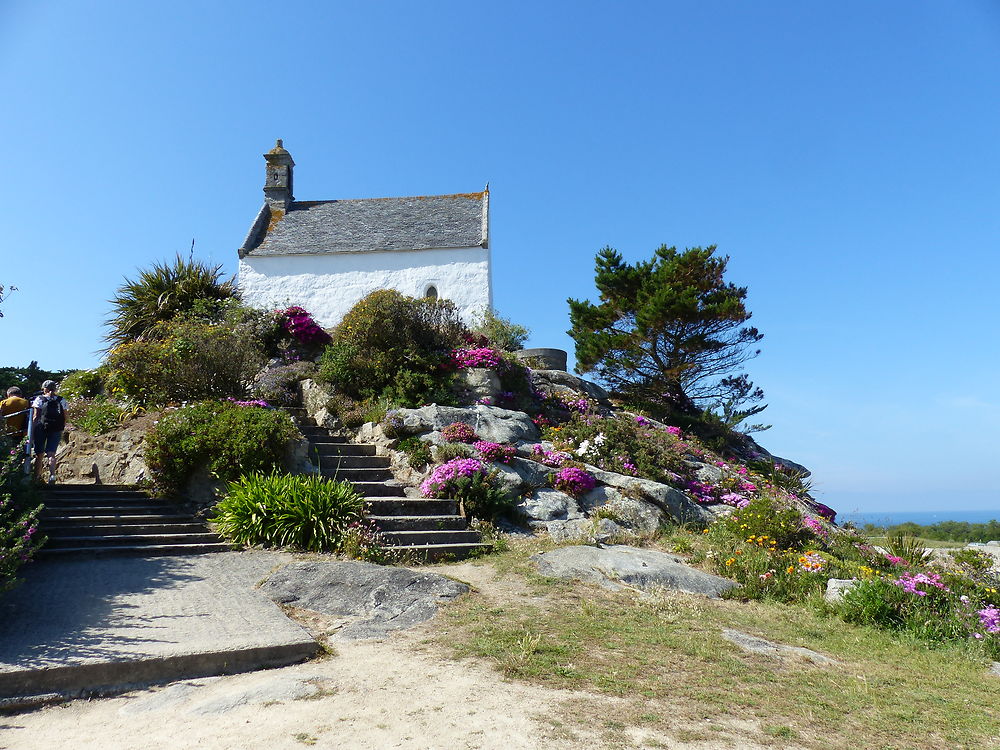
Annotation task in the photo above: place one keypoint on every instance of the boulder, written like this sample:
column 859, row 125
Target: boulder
column 508, row 479
column 490, row 422
column 549, row 505
column 670, row 500
column 620, row 564
column 561, row 382
column 584, row 530
column 532, row 473
column 378, row 599
column 117, row 457
column 543, row 358
column 633, row 514
column 476, row 383
column 318, row 403
column 837, row 587
column 754, row 645
column 706, row 472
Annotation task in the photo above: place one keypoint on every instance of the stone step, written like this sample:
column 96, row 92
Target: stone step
column 432, row 552
column 141, row 550
column 60, row 493
column 342, row 449
column 347, row 474
column 408, row 506
column 378, row 489
column 55, row 517
column 426, row 538
column 117, row 540
column 320, row 433
column 418, row 523
column 354, row 462
column 62, row 528
column 107, row 510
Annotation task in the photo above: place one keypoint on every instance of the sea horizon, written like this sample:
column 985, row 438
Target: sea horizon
column 922, row 517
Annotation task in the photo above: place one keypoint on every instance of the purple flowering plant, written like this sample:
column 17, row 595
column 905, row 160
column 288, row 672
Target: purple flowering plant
column 573, row 481
column 495, row 452
column 300, row 325
column 459, row 432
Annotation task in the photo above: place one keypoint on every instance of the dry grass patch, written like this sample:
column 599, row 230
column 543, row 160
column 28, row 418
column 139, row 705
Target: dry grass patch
column 663, row 660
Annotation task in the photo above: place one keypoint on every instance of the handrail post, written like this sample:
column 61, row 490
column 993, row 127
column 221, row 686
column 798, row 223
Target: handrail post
column 30, row 442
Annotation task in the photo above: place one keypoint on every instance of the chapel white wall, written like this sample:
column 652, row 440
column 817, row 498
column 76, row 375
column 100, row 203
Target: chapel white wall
column 331, row 284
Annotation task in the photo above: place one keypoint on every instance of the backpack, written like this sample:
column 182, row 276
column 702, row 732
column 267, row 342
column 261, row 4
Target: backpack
column 53, row 418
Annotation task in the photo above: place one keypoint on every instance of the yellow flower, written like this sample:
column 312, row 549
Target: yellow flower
column 730, row 561
column 790, row 569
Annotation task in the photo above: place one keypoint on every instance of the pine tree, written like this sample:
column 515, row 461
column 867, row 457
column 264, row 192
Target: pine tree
column 668, row 334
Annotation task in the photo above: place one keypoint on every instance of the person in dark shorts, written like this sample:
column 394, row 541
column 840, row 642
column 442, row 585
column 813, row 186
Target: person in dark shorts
column 49, row 420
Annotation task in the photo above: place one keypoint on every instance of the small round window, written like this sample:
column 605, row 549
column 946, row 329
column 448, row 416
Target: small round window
column 431, row 293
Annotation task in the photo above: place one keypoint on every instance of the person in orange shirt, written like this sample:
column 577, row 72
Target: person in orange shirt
column 14, row 413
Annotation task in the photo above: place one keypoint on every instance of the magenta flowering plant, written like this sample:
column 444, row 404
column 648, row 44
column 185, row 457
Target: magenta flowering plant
column 444, row 479
column 495, row 452
column 475, row 488
column 920, row 583
column 554, row 459
column 573, row 481
column 464, row 358
column 989, row 619
column 459, row 432
column 300, row 325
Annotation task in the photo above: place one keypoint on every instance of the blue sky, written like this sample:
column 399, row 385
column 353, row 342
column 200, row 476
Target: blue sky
column 844, row 155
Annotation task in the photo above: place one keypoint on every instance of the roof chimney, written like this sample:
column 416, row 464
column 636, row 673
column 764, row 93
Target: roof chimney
column 278, row 182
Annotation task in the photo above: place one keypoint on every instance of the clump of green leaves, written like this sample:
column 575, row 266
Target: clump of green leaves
column 282, row 510
column 228, row 441
column 83, row 383
column 95, row 416
column 500, row 332
column 394, row 346
column 418, row 452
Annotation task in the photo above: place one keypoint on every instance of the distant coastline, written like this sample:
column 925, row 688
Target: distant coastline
column 924, row 518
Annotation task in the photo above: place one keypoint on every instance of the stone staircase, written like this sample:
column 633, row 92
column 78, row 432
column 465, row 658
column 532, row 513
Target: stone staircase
column 428, row 529
column 96, row 519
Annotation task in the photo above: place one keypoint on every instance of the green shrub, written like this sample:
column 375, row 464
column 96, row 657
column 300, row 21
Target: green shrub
column 447, row 451
column 499, row 331
column 392, row 345
column 418, row 452
column 283, row 510
column 227, row 440
column 83, row 384
column 197, row 360
column 279, row 385
column 95, row 416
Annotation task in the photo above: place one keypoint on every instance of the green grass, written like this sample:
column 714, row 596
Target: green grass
column 664, row 658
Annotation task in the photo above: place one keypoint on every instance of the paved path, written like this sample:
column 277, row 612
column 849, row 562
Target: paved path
column 80, row 625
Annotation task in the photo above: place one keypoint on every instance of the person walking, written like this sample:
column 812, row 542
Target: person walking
column 14, row 415
column 49, row 419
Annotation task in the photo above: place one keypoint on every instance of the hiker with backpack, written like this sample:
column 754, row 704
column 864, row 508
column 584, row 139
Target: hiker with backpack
column 49, row 420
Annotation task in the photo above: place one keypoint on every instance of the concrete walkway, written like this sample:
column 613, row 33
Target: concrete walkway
column 84, row 625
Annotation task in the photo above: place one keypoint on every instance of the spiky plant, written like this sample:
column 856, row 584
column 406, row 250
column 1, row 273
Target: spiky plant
column 160, row 294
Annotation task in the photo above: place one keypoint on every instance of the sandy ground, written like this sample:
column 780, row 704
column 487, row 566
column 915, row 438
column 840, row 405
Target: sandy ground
column 397, row 693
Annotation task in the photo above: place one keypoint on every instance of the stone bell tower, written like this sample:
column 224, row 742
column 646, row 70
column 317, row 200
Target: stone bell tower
column 278, row 182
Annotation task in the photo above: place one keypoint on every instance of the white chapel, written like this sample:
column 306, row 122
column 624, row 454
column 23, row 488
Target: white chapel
column 326, row 255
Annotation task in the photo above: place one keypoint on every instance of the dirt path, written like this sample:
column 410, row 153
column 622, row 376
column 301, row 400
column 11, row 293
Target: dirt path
column 398, row 693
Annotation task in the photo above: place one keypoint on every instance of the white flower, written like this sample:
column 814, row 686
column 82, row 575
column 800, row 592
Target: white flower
column 599, row 440
column 584, row 447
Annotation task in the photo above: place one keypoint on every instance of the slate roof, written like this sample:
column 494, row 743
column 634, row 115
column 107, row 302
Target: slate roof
column 371, row 225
